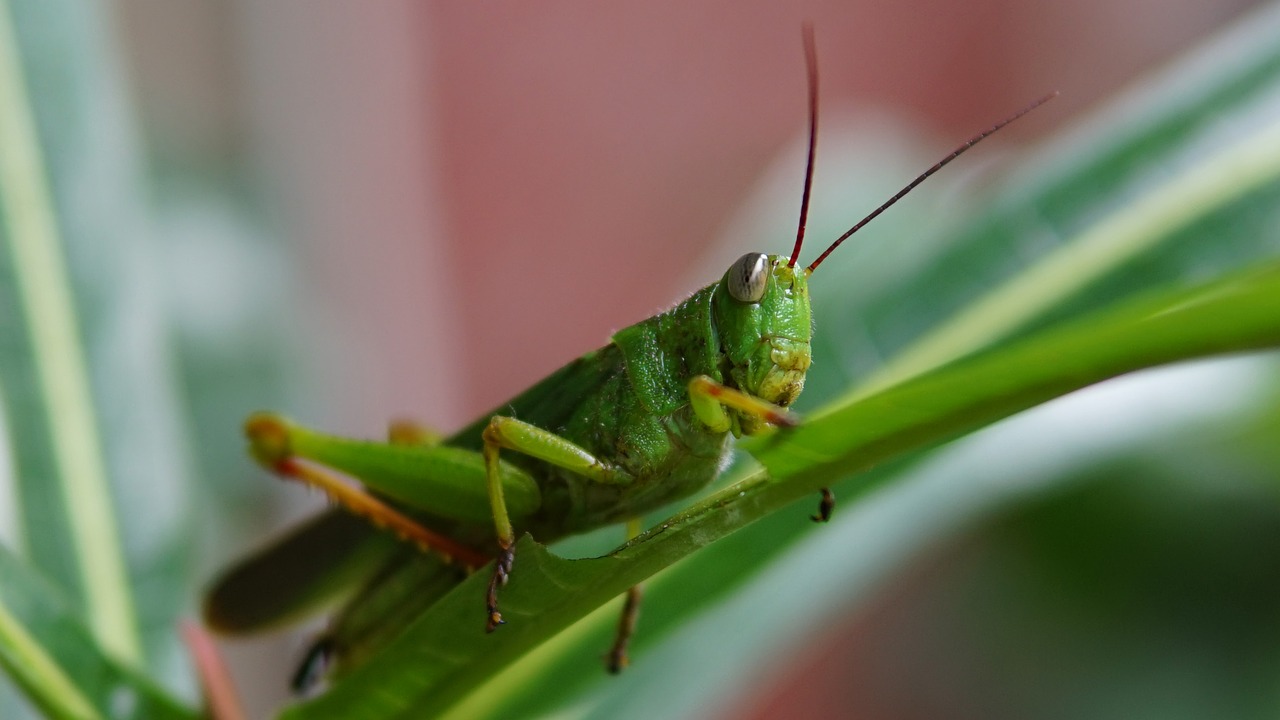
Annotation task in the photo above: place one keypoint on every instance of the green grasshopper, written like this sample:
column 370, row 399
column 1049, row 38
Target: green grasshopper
column 632, row 426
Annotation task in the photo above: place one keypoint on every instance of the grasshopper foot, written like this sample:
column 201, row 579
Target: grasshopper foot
column 616, row 661
column 501, row 571
column 825, row 506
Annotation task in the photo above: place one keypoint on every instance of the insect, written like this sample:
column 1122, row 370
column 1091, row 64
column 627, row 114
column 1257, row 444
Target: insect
column 641, row 422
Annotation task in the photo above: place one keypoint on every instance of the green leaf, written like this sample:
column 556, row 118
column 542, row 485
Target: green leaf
column 42, row 289
column 91, row 416
column 58, row 663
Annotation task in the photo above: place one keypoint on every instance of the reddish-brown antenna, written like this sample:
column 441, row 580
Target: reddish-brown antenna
column 811, row 64
column 938, row 166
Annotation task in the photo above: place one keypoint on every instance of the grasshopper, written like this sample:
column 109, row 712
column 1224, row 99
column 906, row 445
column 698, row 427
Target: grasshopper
column 643, row 421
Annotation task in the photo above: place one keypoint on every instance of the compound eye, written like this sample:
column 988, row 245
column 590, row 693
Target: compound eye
column 748, row 276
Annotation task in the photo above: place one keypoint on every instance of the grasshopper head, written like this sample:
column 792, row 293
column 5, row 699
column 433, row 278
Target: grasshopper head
column 761, row 310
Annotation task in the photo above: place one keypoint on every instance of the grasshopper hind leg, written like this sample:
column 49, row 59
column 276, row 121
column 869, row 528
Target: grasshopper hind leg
column 271, row 443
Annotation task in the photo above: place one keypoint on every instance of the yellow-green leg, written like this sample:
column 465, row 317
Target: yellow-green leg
column 504, row 432
column 709, row 400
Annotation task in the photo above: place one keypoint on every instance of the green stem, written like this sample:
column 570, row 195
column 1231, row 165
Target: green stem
column 40, row 269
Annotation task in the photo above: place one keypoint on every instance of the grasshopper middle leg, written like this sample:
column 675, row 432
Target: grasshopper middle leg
column 616, row 660
column 512, row 434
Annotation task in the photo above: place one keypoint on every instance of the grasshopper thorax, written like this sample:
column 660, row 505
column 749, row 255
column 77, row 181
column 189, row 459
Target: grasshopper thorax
column 761, row 311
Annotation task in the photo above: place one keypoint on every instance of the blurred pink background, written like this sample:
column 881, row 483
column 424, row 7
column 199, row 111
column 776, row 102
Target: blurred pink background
column 477, row 192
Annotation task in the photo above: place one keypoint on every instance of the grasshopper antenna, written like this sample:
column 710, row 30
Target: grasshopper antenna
column 921, row 178
column 811, row 64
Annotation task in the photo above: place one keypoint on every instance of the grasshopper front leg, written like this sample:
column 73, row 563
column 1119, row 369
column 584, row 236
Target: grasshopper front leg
column 709, row 400
column 531, row 440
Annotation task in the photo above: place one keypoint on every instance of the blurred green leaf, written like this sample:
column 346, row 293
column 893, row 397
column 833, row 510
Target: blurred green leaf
column 58, row 377
column 91, row 417
column 1174, row 571
column 45, row 684
column 100, row 683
